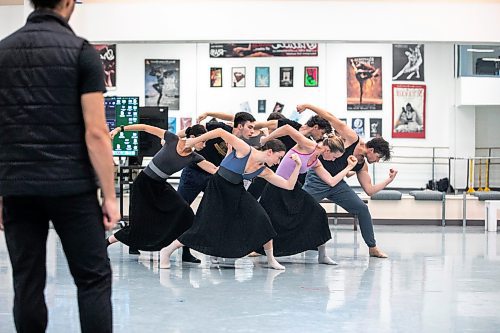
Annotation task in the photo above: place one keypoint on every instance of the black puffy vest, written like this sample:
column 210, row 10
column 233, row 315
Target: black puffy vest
column 42, row 133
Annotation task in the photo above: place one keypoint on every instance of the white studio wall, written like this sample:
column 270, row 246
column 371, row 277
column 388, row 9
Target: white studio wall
column 11, row 18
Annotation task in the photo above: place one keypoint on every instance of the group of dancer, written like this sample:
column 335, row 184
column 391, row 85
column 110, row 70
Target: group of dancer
column 277, row 216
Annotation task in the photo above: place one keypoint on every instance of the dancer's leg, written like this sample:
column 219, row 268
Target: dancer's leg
column 323, row 258
column 166, row 252
column 271, row 260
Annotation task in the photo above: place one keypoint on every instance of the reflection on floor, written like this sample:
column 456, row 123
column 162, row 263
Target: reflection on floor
column 436, row 280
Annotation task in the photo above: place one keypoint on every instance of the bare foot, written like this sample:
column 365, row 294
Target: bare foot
column 377, row 253
column 164, row 259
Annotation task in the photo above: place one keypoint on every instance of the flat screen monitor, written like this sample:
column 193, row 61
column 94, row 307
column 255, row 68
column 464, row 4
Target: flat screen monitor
column 126, row 113
column 109, row 108
column 154, row 116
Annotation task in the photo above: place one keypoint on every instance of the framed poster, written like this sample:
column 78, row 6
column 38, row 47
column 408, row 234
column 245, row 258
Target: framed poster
column 358, row 125
column 261, row 106
column 364, row 83
column 278, row 107
column 408, row 111
column 172, row 124
column 107, row 53
column 186, row 122
column 215, row 77
column 262, row 76
column 311, row 76
column 375, row 127
column 286, row 76
column 243, row 50
column 344, row 120
column 238, row 76
column 408, row 62
column 162, row 83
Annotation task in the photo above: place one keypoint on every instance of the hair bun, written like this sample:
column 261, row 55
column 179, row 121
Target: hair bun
column 188, row 131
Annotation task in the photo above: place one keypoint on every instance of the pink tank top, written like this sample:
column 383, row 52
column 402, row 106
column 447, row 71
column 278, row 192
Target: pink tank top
column 287, row 165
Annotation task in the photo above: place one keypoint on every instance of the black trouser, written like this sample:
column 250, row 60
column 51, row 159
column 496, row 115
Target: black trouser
column 78, row 222
column 193, row 181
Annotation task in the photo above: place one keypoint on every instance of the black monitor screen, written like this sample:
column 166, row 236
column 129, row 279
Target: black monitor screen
column 109, row 108
column 154, row 116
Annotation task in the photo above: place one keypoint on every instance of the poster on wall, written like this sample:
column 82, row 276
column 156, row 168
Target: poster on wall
column 358, row 125
column 344, row 120
column 286, row 76
column 375, row 127
column 162, row 83
column 408, row 62
column 238, row 76
column 186, row 122
column 364, row 83
column 215, row 77
column 245, row 107
column 261, row 106
column 172, row 124
column 408, row 111
column 241, row 50
column 107, row 53
column 262, row 76
column 278, row 107
column 311, row 76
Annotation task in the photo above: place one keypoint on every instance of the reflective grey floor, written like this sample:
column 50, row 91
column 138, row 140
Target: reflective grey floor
column 436, row 280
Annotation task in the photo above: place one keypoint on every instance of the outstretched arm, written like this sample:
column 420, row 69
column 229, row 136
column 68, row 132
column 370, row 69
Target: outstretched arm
column 218, row 115
column 208, row 166
column 287, row 184
column 159, row 132
column 270, row 124
column 366, row 182
column 298, row 137
column 241, row 147
column 344, row 131
column 334, row 180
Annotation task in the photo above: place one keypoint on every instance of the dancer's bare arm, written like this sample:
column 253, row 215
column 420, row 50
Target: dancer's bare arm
column 366, row 182
column 271, row 125
column 299, row 138
column 344, row 131
column 287, row 184
column 156, row 131
column 241, row 147
column 208, row 166
column 218, row 115
column 334, row 180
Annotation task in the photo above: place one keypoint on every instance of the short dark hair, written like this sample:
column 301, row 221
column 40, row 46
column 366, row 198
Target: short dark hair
column 45, row 3
column 322, row 123
column 381, row 147
column 195, row 130
column 241, row 118
column 276, row 116
column 275, row 145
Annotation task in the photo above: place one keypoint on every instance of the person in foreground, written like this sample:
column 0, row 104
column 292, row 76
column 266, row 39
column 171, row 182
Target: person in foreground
column 54, row 142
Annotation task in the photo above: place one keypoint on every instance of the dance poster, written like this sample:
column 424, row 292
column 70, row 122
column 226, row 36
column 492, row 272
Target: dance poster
column 162, row 83
column 107, row 53
column 311, row 76
column 364, row 83
column 261, row 106
column 215, row 77
column 244, row 50
column 286, row 76
column 262, row 76
column 375, row 127
column 408, row 111
column 278, row 107
column 238, row 76
column 358, row 125
column 408, row 62
column 172, row 124
column 186, row 122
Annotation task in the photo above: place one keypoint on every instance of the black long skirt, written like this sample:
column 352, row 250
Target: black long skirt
column 229, row 222
column 158, row 215
column 300, row 222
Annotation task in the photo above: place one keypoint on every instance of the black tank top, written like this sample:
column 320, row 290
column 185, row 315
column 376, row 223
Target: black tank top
column 339, row 164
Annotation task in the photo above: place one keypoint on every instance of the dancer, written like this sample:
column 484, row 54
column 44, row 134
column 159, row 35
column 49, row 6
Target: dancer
column 300, row 222
column 158, row 214
column 229, row 222
column 342, row 194
column 194, row 179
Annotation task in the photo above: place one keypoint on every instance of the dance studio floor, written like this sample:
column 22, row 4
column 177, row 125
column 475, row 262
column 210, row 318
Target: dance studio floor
column 436, row 280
